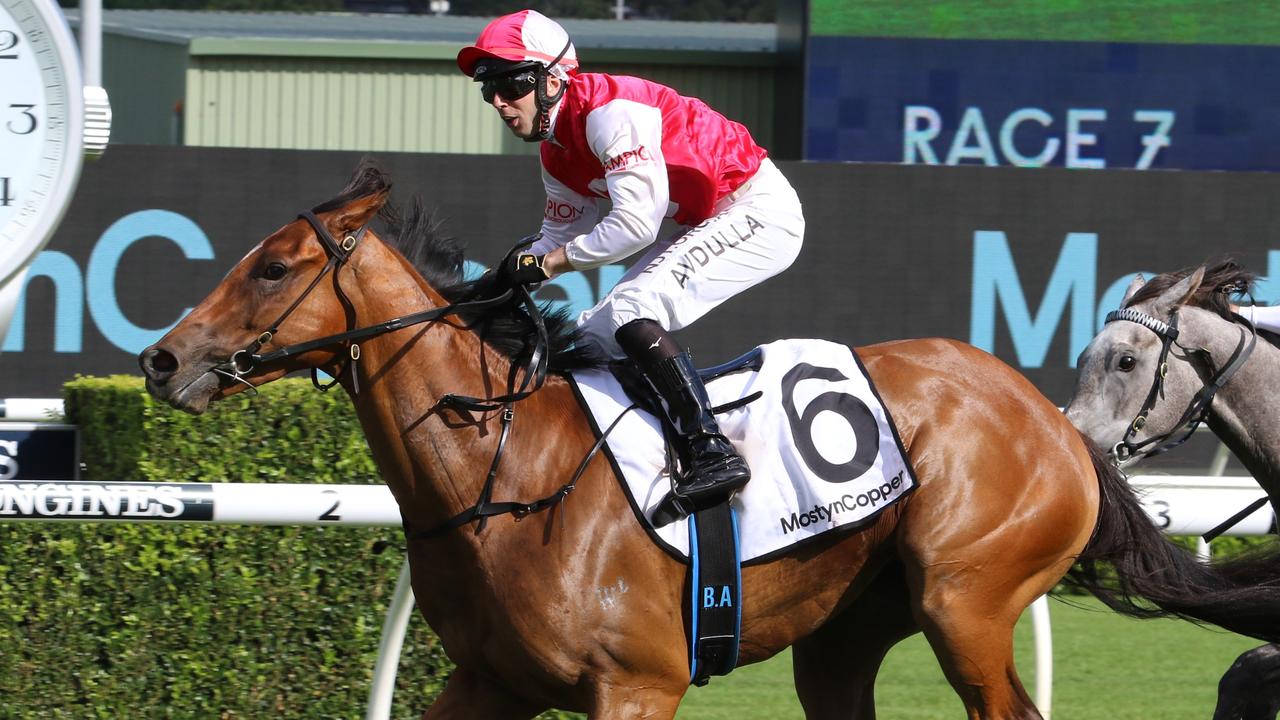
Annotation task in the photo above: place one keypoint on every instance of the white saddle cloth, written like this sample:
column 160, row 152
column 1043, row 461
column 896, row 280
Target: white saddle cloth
column 823, row 451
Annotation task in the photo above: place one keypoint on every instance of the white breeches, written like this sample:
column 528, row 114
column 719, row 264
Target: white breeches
column 755, row 234
column 1266, row 317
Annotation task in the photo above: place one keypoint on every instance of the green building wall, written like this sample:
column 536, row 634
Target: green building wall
column 146, row 81
column 399, row 97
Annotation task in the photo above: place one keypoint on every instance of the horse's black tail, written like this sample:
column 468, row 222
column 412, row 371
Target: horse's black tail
column 1153, row 577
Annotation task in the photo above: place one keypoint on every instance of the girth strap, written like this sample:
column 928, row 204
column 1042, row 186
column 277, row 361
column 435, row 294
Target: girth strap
column 484, row 508
column 715, row 586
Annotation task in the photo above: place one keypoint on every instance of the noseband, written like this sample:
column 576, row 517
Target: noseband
column 1197, row 410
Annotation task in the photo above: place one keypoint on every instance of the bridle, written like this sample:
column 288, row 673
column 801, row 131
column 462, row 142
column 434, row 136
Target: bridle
column 245, row 361
column 1197, row 409
column 531, row 376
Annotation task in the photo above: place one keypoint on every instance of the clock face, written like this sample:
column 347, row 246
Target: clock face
column 41, row 127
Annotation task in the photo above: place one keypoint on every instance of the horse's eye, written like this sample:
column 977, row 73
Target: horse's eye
column 1127, row 363
column 275, row 271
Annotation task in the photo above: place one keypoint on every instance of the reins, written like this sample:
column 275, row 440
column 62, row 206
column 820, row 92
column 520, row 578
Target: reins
column 532, row 375
column 244, row 361
column 1197, row 409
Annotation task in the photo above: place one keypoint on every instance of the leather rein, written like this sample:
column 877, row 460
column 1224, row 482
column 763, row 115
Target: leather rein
column 532, row 375
column 1197, row 409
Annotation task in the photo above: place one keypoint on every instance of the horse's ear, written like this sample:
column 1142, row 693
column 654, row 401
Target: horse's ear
column 1133, row 288
column 1178, row 295
column 357, row 213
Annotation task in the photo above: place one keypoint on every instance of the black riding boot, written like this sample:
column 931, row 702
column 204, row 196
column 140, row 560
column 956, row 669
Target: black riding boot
column 711, row 468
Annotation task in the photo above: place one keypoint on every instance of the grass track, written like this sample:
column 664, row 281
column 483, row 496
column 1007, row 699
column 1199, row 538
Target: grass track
column 1105, row 666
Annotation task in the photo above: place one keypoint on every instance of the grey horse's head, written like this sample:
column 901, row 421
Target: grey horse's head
column 1119, row 368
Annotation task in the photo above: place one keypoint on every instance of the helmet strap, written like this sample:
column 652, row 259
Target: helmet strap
column 544, row 100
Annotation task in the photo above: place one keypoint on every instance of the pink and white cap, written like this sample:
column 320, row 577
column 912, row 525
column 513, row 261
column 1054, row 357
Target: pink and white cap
column 526, row 35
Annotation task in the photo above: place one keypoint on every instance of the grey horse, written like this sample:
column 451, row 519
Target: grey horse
column 1141, row 385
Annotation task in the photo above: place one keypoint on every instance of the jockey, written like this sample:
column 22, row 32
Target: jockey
column 654, row 154
column 1263, row 317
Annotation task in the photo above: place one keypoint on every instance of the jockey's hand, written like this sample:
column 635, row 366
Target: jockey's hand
column 524, row 269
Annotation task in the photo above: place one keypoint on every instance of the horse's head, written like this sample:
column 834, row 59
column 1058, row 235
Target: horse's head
column 288, row 286
column 1139, row 377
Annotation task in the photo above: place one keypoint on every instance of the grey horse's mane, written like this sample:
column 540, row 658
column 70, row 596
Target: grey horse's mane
column 1222, row 281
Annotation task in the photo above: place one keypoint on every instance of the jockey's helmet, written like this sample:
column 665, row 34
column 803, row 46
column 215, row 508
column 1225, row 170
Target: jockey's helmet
column 516, row 42
column 522, row 42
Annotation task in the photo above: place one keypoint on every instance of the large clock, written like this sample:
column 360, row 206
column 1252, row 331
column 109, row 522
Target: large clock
column 41, row 127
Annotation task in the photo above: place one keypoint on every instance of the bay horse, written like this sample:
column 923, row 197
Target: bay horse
column 566, row 602
column 1215, row 367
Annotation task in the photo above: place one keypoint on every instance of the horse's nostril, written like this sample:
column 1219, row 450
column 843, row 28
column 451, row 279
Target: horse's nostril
column 160, row 362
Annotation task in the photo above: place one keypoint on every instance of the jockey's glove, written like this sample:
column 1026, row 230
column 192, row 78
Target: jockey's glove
column 524, row 269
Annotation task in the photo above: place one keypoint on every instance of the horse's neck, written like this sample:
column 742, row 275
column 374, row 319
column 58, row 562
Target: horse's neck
column 1244, row 411
column 433, row 459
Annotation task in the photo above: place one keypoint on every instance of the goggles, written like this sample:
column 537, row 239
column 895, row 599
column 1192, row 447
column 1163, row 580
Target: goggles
column 510, row 87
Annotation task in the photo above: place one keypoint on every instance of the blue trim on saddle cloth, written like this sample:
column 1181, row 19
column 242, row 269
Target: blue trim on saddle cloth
column 737, row 625
column 694, row 593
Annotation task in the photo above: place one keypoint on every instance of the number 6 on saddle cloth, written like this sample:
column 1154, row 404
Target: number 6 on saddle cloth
column 824, row 454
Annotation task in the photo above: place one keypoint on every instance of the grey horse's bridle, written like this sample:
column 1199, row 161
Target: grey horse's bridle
column 1197, row 410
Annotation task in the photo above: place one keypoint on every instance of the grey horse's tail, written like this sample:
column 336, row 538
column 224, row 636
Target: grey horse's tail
column 1134, row 569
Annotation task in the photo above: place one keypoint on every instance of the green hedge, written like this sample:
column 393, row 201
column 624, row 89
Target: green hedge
column 185, row 621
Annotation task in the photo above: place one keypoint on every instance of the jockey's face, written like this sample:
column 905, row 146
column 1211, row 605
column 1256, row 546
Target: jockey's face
column 521, row 115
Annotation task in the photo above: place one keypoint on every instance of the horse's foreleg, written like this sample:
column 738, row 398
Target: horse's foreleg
column 469, row 697
column 835, row 668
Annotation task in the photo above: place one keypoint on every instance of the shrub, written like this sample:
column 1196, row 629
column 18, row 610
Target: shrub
column 187, row 621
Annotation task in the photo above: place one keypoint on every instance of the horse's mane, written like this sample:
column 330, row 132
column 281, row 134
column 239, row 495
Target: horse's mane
column 416, row 233
column 1222, row 281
